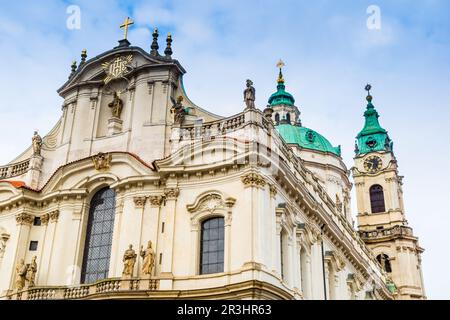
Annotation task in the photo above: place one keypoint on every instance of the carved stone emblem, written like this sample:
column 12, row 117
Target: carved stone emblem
column 117, row 68
column 102, row 161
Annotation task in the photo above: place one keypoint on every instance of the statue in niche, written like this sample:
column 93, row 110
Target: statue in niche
column 21, row 272
column 178, row 110
column 116, row 105
column 36, row 141
column 249, row 95
column 149, row 259
column 129, row 259
column 31, row 272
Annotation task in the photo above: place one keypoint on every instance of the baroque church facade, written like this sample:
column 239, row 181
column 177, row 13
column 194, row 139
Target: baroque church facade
column 138, row 193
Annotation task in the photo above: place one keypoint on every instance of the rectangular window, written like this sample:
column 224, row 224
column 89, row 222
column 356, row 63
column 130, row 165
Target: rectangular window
column 37, row 221
column 212, row 246
column 33, row 245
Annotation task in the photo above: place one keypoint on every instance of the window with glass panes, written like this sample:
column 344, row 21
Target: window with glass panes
column 99, row 234
column 377, row 199
column 212, row 246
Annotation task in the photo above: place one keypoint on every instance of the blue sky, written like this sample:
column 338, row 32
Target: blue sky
column 330, row 55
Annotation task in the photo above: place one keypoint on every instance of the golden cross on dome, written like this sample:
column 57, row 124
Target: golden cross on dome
column 280, row 65
column 127, row 22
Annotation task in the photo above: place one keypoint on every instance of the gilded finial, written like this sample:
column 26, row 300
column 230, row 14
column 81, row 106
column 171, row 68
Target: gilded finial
column 155, row 45
column 168, row 51
column 73, row 67
column 83, row 56
column 280, row 65
column 368, row 88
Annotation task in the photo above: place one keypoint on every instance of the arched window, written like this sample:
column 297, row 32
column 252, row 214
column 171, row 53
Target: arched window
column 377, row 199
column 277, row 117
column 385, row 262
column 97, row 250
column 288, row 117
column 212, row 246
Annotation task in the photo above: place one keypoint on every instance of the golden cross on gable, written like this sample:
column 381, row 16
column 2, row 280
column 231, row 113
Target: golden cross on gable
column 128, row 22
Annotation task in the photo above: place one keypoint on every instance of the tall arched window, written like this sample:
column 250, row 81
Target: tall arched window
column 385, row 262
column 212, row 246
column 288, row 118
column 377, row 199
column 277, row 117
column 97, row 250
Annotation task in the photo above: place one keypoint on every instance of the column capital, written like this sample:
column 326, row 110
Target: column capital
column 24, row 219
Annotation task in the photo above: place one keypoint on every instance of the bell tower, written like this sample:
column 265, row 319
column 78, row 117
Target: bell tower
column 381, row 215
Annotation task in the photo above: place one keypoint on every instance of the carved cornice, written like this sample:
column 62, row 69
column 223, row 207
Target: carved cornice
column 54, row 215
column 24, row 219
column 253, row 180
column 139, row 202
column 171, row 193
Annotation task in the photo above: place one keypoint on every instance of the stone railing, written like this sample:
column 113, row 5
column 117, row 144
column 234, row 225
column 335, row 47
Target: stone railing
column 15, row 169
column 394, row 231
column 107, row 286
column 213, row 128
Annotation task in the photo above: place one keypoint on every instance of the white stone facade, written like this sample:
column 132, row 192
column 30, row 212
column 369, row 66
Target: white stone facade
column 168, row 179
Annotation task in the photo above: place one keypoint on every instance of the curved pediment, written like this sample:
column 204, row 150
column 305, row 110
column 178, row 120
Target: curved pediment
column 96, row 69
column 79, row 174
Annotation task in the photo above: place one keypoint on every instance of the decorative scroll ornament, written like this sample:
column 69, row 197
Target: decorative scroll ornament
column 156, row 201
column 253, row 179
column 139, row 202
column 24, row 218
column 102, row 161
column 117, row 67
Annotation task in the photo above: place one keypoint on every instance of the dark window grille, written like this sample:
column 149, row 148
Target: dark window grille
column 37, row 221
column 212, row 246
column 377, row 199
column 33, row 245
column 97, row 251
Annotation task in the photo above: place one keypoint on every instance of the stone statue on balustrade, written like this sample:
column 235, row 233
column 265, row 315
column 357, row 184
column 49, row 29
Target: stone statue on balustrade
column 178, row 111
column 21, row 273
column 31, row 272
column 129, row 259
column 36, row 141
column 149, row 259
column 249, row 95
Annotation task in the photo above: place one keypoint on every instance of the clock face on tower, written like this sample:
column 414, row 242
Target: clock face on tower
column 373, row 164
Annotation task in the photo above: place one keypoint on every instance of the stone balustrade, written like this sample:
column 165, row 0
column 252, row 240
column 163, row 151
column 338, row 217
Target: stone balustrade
column 14, row 169
column 106, row 286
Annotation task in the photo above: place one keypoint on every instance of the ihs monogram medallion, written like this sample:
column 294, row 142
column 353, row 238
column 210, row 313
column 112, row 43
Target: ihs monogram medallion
column 117, row 68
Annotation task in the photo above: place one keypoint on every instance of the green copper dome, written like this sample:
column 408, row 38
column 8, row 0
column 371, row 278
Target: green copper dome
column 372, row 137
column 281, row 96
column 306, row 138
